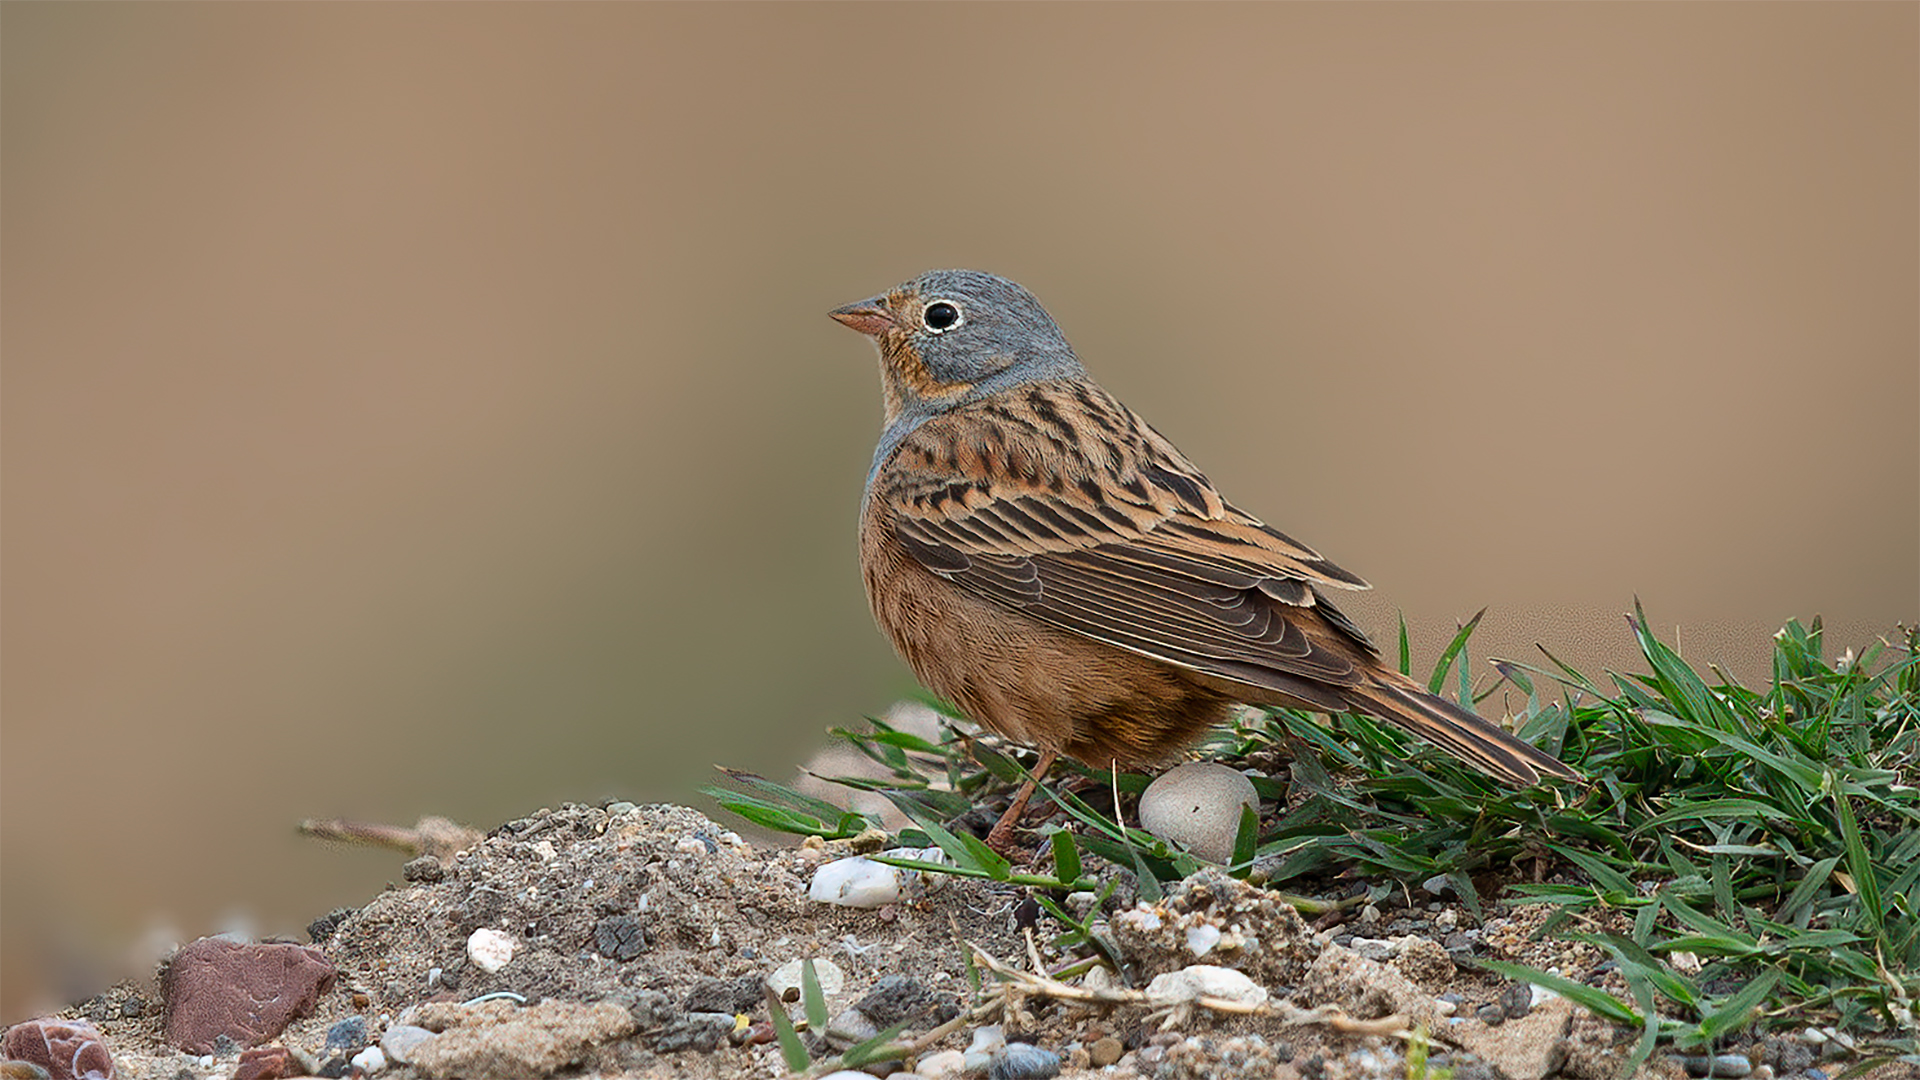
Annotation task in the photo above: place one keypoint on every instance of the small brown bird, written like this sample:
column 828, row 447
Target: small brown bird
column 1052, row 565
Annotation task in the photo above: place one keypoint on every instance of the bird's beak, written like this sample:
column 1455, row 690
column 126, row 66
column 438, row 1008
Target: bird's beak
column 870, row 317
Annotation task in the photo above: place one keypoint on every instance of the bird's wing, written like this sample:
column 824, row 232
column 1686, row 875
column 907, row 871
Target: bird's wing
column 1058, row 501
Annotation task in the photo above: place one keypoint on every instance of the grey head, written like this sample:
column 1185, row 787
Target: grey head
column 951, row 337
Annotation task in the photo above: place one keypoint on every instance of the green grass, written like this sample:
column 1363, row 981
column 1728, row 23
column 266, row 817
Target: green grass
column 1771, row 833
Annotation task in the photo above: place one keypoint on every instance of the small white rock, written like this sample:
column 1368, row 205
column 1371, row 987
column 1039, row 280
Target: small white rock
column 545, row 849
column 945, row 1065
column 490, row 949
column 370, row 1060
column 1204, row 980
column 855, row 882
column 400, row 1041
column 1196, row 806
column 1202, row 938
column 1099, row 978
column 787, row 977
column 987, row 1042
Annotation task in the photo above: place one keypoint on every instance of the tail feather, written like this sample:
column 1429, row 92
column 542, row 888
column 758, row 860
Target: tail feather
column 1459, row 732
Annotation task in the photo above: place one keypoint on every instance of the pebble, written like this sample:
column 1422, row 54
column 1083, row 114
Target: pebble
column 1105, row 1051
column 64, row 1048
column 855, row 882
column 850, row 1027
column 620, row 937
column 945, row 1065
column 1517, row 1000
column 1196, row 807
column 490, row 949
column 1732, row 1066
column 698, row 1031
column 1024, row 1061
column 1204, row 980
column 900, row 998
column 1201, row 938
column 787, row 977
column 424, row 869
column 269, row 1063
column 1491, row 1015
column 348, row 1036
column 400, row 1040
column 988, row 1040
column 730, row 996
column 370, row 1060
column 1437, row 885
column 1373, row 948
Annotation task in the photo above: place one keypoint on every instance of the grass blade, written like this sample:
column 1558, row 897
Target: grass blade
column 812, row 998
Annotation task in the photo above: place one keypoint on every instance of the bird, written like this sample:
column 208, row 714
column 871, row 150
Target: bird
column 1047, row 561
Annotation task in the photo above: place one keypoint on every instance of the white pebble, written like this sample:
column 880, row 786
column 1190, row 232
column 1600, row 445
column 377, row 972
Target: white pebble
column 1196, row 806
column 1202, row 938
column 787, row 977
column 400, row 1041
column 490, row 949
column 370, row 1060
column 945, row 1065
column 1204, row 980
column 987, row 1042
column 856, row 883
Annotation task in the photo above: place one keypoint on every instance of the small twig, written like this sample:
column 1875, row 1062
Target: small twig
column 1017, row 982
column 1033, row 952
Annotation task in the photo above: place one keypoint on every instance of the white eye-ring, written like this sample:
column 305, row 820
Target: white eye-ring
column 941, row 316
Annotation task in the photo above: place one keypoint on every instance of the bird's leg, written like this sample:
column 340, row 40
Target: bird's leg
column 1000, row 838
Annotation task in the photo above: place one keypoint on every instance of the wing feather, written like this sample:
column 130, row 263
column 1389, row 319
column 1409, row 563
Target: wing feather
column 1125, row 542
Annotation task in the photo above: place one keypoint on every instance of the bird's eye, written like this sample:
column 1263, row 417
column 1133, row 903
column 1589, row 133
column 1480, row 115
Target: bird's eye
column 941, row 316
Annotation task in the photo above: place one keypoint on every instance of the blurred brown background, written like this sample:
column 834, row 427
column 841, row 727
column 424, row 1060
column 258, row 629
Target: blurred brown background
column 432, row 409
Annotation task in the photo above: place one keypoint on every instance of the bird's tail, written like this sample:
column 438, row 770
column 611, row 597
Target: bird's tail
column 1498, row 753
